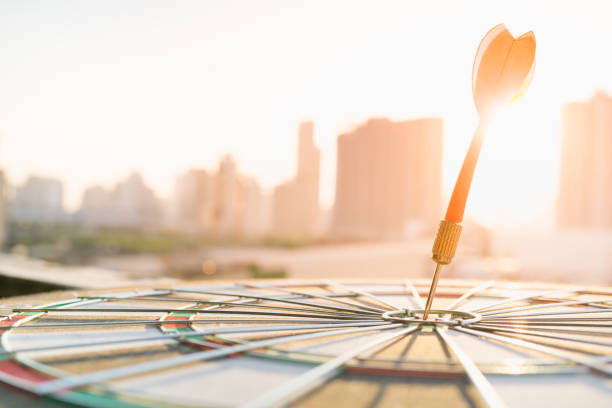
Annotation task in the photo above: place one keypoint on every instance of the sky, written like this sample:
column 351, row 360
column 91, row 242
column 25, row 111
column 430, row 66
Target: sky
column 91, row 91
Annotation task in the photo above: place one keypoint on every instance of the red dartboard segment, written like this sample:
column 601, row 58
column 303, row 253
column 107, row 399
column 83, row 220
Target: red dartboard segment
column 11, row 321
column 16, row 370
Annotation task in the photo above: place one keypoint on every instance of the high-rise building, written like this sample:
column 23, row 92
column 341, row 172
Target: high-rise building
column 38, row 200
column 226, row 205
column 96, row 206
column 252, row 217
column 388, row 174
column 135, row 203
column 585, row 188
column 131, row 203
column 194, row 201
column 222, row 203
column 296, row 202
column 307, row 177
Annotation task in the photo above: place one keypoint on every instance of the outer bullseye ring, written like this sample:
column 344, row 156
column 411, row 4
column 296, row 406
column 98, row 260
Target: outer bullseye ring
column 446, row 317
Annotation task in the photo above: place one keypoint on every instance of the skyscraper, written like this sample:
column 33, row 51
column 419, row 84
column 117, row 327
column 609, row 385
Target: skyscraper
column 131, row 203
column 296, row 202
column 387, row 174
column 194, row 201
column 226, row 208
column 585, row 188
column 223, row 203
column 40, row 199
column 252, row 215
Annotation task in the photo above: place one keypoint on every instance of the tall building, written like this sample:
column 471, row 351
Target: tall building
column 131, row 203
column 585, row 188
column 223, row 203
column 296, row 202
column 253, row 221
column 388, row 174
column 96, row 206
column 226, row 192
column 38, row 200
column 194, row 201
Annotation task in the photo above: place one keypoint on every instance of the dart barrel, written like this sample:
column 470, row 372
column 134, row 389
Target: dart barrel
column 445, row 245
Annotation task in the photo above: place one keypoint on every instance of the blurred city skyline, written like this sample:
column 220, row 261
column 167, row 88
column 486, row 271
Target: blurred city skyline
column 430, row 179
column 112, row 87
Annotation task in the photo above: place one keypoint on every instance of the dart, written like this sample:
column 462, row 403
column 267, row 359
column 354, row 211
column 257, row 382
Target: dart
column 502, row 71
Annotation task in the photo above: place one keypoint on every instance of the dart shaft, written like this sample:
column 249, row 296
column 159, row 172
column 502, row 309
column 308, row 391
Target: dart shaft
column 456, row 205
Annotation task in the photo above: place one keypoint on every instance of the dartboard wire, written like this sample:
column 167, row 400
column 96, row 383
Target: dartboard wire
column 419, row 301
column 181, row 336
column 538, row 333
column 201, row 311
column 576, row 321
column 543, row 321
column 181, row 299
column 195, row 333
column 483, row 386
column 592, row 351
column 415, row 294
column 271, row 299
column 234, row 340
column 26, row 361
column 294, row 299
column 554, row 313
column 113, row 323
column 238, row 301
column 198, row 302
column 52, row 371
column 591, row 362
column 591, row 347
column 361, row 293
column 372, row 351
column 4, row 331
column 470, row 293
column 376, row 350
column 140, row 368
column 545, row 306
column 523, row 297
column 58, row 304
column 315, row 377
column 315, row 295
column 568, row 329
column 600, row 305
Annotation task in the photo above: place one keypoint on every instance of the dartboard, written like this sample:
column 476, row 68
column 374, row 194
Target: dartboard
column 314, row 344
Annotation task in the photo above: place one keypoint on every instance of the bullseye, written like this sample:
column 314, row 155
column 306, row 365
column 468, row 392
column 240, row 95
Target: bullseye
column 445, row 317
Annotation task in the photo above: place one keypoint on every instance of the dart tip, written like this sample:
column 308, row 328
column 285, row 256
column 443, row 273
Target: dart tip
column 432, row 291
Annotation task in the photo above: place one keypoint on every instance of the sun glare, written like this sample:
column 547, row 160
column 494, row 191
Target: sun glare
column 512, row 185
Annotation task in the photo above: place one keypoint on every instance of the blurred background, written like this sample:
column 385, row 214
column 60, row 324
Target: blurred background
column 301, row 139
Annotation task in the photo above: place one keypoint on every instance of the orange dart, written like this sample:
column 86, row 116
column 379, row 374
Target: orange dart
column 502, row 72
